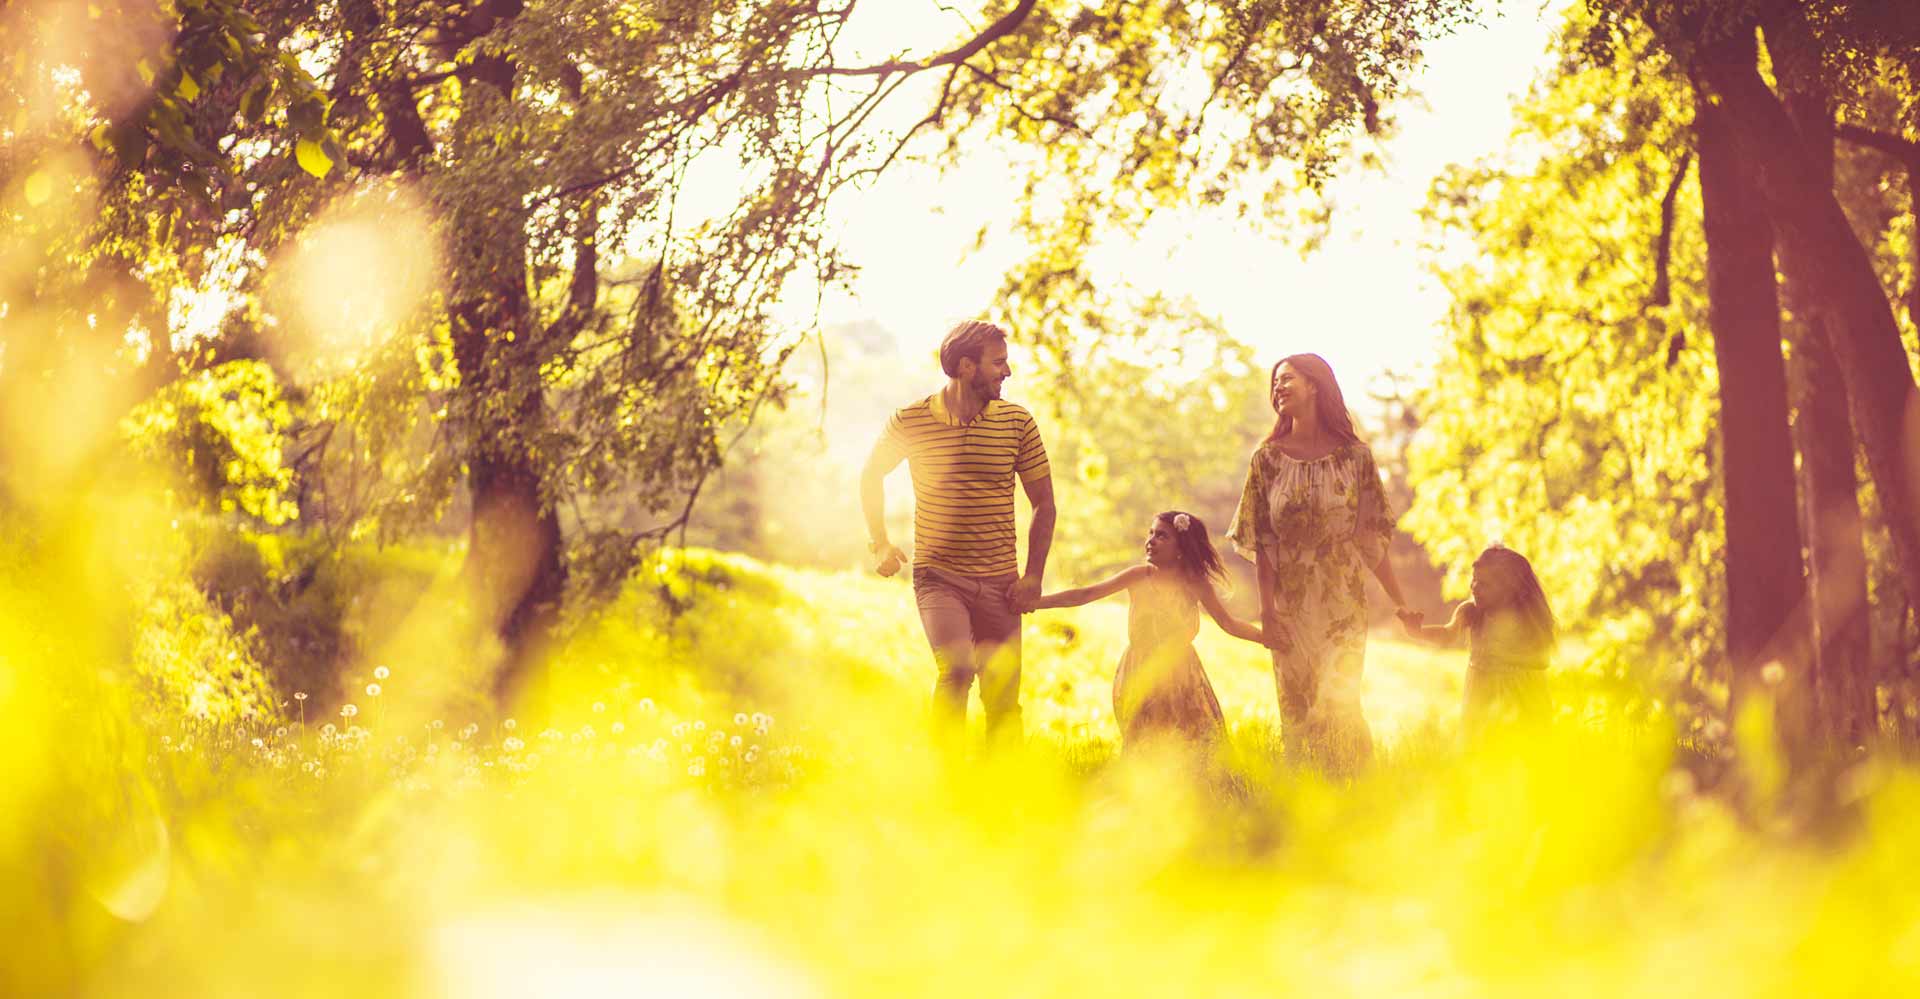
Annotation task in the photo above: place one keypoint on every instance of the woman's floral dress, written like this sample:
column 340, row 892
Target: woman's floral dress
column 1324, row 525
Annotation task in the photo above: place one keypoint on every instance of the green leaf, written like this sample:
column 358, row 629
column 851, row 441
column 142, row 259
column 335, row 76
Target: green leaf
column 312, row 157
column 39, row 188
column 307, row 117
column 196, row 184
column 130, row 144
column 187, row 89
column 254, row 103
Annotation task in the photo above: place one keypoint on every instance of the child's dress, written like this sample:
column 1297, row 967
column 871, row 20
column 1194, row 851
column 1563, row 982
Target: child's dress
column 1160, row 688
column 1506, row 673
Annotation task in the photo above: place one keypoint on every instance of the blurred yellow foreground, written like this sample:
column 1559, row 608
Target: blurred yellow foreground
column 740, row 800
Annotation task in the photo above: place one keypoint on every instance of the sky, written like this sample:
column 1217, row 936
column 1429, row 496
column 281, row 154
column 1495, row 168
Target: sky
column 1363, row 300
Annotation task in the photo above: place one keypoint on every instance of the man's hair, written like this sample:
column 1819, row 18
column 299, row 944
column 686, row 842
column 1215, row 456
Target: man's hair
column 967, row 340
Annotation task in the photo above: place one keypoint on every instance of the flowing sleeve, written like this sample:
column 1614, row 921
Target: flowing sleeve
column 1252, row 525
column 1373, row 521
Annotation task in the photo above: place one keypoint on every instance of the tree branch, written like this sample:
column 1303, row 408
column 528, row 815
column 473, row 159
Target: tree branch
column 993, row 33
column 1663, row 244
column 1905, row 150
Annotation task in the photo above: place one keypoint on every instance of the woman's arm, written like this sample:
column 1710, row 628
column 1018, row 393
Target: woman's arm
column 1269, row 611
column 1210, row 599
column 1383, row 571
column 1088, row 594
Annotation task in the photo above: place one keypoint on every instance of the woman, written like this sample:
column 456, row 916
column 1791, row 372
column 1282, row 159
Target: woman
column 1314, row 519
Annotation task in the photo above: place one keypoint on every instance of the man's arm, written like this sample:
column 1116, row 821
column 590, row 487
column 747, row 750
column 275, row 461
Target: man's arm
column 1026, row 591
column 884, row 458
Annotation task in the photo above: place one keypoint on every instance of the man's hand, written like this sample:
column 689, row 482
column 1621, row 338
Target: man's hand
column 1024, row 593
column 887, row 558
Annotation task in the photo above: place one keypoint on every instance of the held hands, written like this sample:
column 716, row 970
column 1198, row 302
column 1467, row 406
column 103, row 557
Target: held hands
column 1270, row 627
column 1024, row 594
column 1410, row 621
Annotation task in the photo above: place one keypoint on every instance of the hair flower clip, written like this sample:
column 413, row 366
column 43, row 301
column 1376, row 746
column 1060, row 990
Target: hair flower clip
column 1181, row 522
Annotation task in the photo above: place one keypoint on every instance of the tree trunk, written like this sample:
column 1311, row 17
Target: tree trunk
column 1843, row 665
column 1864, row 335
column 514, row 570
column 1765, row 588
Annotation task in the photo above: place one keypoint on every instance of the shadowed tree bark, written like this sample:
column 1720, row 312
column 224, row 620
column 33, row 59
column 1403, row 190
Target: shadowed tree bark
column 1838, row 271
column 1843, row 673
column 1765, row 586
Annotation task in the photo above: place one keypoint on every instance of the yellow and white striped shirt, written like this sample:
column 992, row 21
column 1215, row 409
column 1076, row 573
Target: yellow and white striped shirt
column 963, row 481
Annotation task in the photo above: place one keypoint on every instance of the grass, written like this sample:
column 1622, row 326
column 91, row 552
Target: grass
column 628, row 844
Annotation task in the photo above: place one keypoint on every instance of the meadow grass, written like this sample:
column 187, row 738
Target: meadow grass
column 729, row 790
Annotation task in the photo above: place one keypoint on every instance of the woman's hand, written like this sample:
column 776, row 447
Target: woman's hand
column 1411, row 621
column 1270, row 626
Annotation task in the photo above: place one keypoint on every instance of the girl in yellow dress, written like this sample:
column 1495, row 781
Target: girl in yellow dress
column 1160, row 688
column 1510, row 635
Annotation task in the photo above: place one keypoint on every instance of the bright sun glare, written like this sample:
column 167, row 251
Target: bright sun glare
column 1364, row 300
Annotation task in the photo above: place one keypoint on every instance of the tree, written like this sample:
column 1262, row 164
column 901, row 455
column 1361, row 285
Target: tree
column 593, row 328
column 1839, row 272
column 1572, row 412
column 1766, row 585
column 1831, row 523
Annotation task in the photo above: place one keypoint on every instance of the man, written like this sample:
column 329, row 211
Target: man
column 964, row 446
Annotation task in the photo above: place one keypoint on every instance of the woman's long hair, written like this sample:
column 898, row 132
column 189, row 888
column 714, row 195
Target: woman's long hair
column 1328, row 404
column 1198, row 560
column 1530, row 599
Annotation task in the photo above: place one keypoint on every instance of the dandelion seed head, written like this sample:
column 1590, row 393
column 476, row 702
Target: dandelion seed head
column 510, row 724
column 373, row 690
column 381, row 672
column 740, row 718
column 300, row 695
column 349, row 710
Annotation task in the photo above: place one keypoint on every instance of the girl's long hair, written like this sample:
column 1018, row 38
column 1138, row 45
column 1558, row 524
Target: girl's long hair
column 1530, row 600
column 1198, row 561
column 1328, row 404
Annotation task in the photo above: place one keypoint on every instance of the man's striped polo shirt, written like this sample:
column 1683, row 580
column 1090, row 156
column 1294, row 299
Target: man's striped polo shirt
column 963, row 481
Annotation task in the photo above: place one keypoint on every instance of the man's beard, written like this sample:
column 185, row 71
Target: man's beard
column 986, row 388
